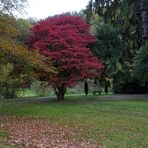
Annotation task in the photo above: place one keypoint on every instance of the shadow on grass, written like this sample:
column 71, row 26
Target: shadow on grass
column 76, row 99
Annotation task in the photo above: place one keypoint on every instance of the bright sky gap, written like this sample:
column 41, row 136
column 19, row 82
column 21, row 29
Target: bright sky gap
column 43, row 8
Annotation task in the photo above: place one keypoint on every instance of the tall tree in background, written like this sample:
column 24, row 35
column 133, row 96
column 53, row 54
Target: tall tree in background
column 140, row 66
column 144, row 15
column 130, row 17
column 65, row 39
column 110, row 49
column 122, row 15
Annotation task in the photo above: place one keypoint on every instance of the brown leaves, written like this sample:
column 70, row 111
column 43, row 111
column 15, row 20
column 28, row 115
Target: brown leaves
column 33, row 132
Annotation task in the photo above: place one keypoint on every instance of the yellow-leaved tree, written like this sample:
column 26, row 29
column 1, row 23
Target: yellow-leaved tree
column 18, row 64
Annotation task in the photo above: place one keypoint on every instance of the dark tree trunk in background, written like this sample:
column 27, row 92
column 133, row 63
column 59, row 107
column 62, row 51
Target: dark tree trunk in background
column 86, row 88
column 8, row 91
column 60, row 91
column 144, row 16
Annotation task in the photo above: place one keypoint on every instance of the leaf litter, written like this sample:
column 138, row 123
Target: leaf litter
column 39, row 133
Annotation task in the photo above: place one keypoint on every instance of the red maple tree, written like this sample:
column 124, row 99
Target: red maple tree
column 65, row 40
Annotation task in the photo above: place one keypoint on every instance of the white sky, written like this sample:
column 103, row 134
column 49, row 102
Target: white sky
column 44, row 8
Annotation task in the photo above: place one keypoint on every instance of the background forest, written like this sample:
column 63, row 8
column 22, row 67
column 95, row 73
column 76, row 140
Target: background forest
column 120, row 28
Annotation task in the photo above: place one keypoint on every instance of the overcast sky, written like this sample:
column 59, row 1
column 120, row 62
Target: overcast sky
column 44, row 8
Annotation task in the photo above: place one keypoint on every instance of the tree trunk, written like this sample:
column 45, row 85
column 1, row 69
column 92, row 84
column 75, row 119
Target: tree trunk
column 144, row 15
column 60, row 91
column 86, row 88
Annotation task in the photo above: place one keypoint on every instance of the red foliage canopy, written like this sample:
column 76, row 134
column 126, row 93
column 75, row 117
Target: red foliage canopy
column 65, row 39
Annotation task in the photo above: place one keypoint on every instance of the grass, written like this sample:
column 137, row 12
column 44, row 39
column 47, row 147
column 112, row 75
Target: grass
column 113, row 123
column 4, row 135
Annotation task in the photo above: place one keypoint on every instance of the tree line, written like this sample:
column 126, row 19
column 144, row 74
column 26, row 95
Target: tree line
column 121, row 28
column 105, row 41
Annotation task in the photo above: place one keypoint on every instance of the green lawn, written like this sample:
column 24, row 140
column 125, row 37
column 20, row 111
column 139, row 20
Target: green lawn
column 112, row 123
